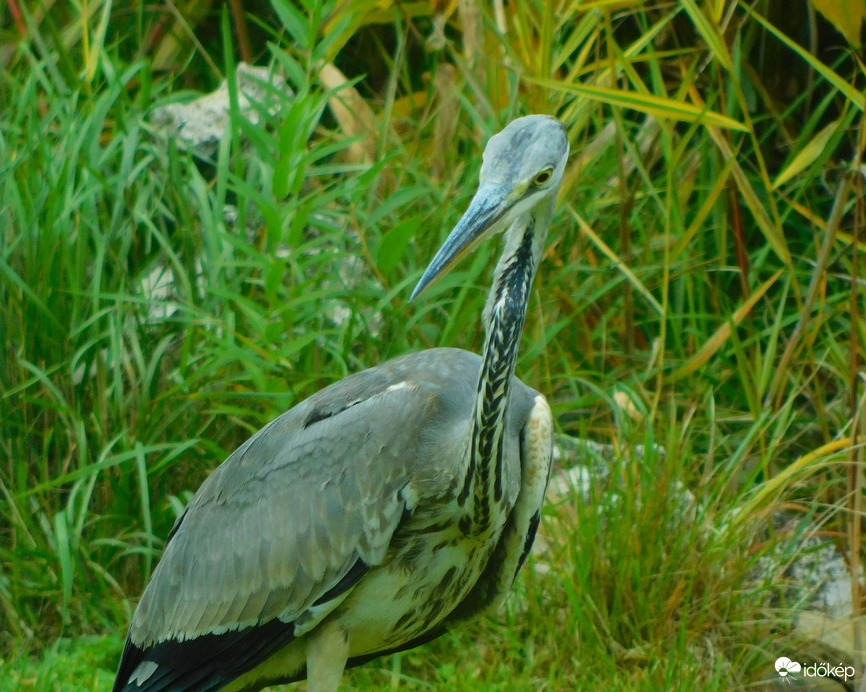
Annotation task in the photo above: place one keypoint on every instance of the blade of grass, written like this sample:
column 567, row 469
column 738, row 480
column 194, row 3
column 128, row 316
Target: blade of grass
column 723, row 333
column 651, row 104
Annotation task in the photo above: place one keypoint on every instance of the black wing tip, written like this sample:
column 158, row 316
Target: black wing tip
column 202, row 664
column 129, row 660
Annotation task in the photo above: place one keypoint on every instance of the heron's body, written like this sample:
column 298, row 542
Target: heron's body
column 367, row 519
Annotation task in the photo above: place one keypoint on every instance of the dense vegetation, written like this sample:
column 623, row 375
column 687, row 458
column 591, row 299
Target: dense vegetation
column 698, row 307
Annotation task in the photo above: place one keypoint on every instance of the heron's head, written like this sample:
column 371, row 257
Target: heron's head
column 521, row 171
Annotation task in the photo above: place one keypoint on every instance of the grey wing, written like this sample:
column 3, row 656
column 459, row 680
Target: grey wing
column 288, row 515
column 284, row 528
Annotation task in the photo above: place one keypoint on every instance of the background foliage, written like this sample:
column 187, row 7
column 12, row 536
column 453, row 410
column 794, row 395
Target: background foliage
column 700, row 295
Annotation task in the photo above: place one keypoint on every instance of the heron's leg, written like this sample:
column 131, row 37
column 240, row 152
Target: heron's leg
column 327, row 653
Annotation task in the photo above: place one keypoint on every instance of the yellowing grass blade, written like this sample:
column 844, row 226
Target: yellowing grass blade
column 645, row 103
column 622, row 266
column 846, row 15
column 817, row 460
column 807, row 155
column 709, row 33
column 769, row 227
column 723, row 333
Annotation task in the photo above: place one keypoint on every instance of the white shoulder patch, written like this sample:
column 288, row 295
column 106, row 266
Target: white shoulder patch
column 405, row 384
column 539, row 447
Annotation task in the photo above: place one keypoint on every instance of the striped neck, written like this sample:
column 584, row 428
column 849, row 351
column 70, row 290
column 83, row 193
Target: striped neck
column 503, row 318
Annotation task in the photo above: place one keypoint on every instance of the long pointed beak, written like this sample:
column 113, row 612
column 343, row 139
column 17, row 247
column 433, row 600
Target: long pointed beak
column 487, row 207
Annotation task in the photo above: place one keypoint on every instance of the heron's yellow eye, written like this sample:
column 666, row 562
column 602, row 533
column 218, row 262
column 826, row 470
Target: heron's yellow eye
column 543, row 177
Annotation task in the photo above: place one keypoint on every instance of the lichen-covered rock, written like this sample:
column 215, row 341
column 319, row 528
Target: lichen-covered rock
column 199, row 125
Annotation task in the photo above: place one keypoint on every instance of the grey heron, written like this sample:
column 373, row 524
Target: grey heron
column 384, row 509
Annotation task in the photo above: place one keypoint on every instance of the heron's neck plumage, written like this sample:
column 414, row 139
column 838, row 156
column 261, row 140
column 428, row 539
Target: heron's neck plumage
column 503, row 322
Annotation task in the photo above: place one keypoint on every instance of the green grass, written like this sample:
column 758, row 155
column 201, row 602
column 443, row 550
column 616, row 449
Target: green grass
column 700, row 267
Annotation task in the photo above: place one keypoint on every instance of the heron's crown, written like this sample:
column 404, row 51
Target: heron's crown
column 524, row 149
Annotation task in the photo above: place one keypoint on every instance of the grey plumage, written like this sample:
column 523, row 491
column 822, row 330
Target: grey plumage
column 383, row 509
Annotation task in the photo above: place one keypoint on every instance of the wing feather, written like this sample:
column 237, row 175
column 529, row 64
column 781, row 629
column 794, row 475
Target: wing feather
column 287, row 516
